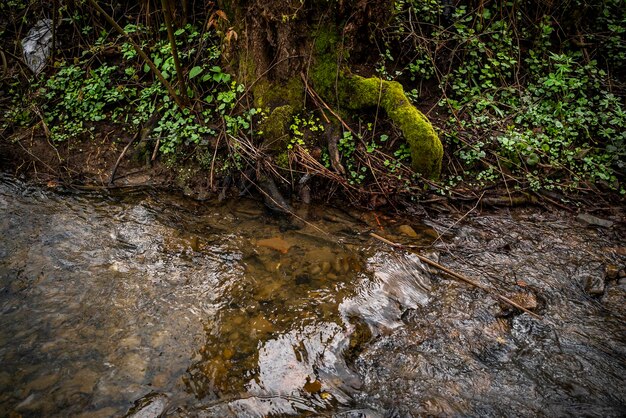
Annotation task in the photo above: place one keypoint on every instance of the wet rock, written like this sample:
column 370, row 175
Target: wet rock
column 42, row 382
column 302, row 279
column 100, row 413
column 358, row 341
column 152, row 405
column 160, row 380
column 159, row 338
column 594, row 220
column 85, row 380
column 5, row 381
column 612, row 271
column 408, row 231
column 526, row 300
column 268, row 290
column 130, row 342
column 315, row 270
column 594, row 285
column 358, row 413
column 134, row 366
column 261, row 325
column 28, row 404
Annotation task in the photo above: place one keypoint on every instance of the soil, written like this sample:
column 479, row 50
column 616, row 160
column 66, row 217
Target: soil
column 89, row 163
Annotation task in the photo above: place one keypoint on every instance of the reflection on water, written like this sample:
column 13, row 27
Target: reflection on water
column 193, row 309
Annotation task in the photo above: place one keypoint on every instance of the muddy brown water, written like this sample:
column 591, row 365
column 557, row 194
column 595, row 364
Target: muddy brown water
column 196, row 309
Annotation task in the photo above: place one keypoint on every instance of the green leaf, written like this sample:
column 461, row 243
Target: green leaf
column 195, row 71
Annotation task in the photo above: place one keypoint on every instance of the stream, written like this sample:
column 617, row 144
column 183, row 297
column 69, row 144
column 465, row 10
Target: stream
column 148, row 304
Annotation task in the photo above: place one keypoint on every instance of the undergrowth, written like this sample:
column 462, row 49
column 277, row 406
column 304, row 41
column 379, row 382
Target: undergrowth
column 534, row 101
column 530, row 96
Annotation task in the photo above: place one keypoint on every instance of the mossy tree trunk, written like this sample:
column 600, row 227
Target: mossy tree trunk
column 278, row 41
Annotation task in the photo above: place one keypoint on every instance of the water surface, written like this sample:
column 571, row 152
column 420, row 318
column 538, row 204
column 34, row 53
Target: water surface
column 227, row 310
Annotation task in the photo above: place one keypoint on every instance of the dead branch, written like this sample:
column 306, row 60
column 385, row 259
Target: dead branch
column 119, row 159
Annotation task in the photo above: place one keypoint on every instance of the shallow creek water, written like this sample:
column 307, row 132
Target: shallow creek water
column 197, row 309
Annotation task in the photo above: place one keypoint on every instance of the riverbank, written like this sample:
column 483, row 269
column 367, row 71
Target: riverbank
column 113, row 160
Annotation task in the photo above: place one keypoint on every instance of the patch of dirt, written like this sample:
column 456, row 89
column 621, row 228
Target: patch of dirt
column 89, row 163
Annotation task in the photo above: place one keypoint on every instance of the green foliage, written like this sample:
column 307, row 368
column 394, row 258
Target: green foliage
column 78, row 94
column 301, row 124
column 74, row 97
column 519, row 100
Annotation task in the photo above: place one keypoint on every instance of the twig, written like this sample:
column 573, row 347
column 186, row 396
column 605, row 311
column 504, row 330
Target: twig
column 457, row 275
column 156, row 149
column 167, row 13
column 119, row 159
column 314, row 94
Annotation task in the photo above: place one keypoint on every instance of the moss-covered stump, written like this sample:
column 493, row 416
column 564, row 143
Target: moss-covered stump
column 426, row 149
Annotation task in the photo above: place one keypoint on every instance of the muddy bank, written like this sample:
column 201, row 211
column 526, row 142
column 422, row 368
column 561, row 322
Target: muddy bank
column 92, row 163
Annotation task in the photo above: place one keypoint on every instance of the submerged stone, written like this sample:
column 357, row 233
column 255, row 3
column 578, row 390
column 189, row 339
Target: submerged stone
column 408, row 231
column 150, row 406
column 275, row 243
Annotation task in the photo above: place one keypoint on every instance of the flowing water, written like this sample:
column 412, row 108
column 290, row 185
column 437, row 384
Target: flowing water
column 149, row 304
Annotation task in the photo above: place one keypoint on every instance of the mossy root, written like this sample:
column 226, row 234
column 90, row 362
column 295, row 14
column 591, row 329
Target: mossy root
column 426, row 149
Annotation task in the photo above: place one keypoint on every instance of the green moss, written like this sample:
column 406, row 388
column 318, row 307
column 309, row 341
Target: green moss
column 276, row 127
column 282, row 159
column 272, row 95
column 356, row 92
column 324, row 72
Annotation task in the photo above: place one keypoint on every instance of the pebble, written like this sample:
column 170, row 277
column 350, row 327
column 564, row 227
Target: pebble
column 261, row 325
column 134, row 366
column 109, row 411
column 408, row 231
column 150, row 406
column 85, row 380
column 594, row 285
column 594, row 220
column 160, row 380
column 612, row 271
column 28, row 404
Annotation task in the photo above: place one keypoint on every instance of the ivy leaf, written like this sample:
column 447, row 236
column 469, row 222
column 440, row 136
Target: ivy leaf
column 195, row 71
